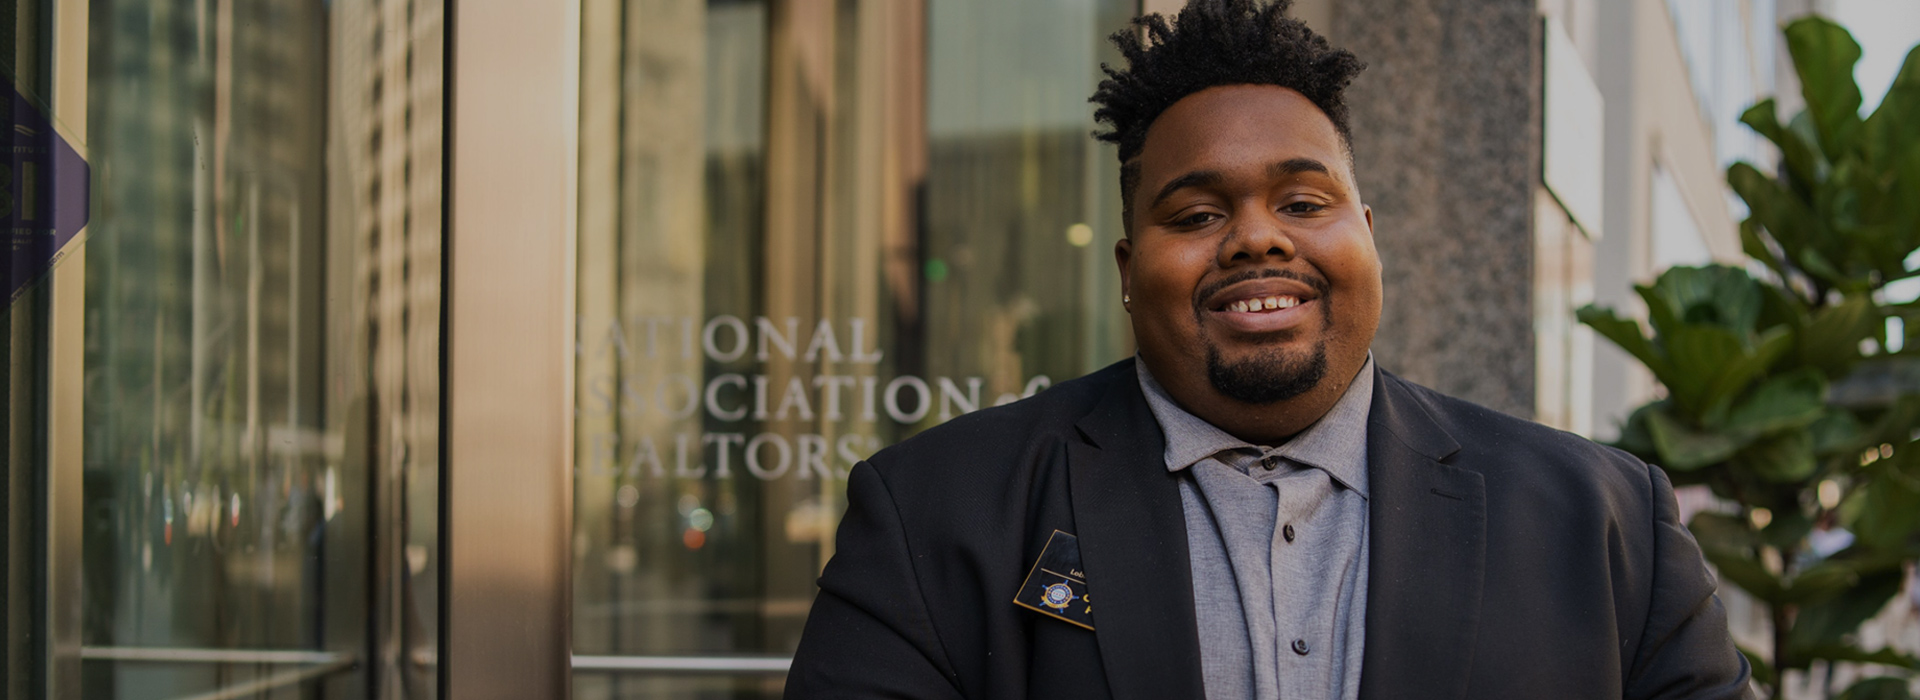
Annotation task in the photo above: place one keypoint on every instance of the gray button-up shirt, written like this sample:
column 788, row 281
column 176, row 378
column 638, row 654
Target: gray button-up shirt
column 1278, row 542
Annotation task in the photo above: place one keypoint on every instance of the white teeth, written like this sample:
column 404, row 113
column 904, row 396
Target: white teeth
column 1263, row 304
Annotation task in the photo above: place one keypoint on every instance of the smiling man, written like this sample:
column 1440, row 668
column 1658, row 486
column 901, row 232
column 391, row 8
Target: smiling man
column 1250, row 508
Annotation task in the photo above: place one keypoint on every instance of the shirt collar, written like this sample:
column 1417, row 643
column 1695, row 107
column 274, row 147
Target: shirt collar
column 1336, row 444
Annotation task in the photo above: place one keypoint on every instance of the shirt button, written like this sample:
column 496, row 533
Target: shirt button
column 1287, row 532
column 1270, row 462
column 1300, row 647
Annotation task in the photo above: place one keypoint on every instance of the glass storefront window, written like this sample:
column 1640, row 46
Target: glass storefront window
column 807, row 230
column 262, row 349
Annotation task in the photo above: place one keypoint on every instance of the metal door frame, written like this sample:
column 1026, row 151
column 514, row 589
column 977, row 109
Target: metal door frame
column 66, row 378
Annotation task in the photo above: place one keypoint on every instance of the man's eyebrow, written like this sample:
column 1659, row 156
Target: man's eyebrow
column 1295, row 166
column 1197, row 178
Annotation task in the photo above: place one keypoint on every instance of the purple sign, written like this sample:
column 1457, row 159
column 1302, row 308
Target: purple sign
column 43, row 193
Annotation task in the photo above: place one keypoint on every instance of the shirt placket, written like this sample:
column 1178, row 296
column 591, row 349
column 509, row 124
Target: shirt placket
column 1300, row 638
column 1231, row 487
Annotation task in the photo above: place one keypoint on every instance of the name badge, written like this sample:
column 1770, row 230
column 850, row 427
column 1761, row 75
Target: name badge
column 1056, row 586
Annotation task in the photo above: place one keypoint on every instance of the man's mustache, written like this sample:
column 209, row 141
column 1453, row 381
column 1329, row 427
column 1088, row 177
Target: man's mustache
column 1318, row 283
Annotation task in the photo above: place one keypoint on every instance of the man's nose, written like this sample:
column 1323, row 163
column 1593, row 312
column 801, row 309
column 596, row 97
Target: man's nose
column 1256, row 235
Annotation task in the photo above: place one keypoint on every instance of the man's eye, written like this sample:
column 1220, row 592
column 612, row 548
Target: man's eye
column 1302, row 208
column 1196, row 219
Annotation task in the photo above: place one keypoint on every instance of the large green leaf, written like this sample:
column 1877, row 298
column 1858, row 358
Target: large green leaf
column 1783, row 307
column 1764, row 118
column 1755, row 247
column 1824, row 55
column 1793, row 400
column 1818, row 264
column 1815, row 585
column 1624, row 333
column 1783, row 458
column 1786, row 218
column 1722, row 532
column 1716, row 295
column 1700, row 356
column 1883, row 688
column 1895, row 124
column 1832, row 341
column 1747, row 573
column 1790, row 526
column 1805, row 161
column 1837, row 431
column 1684, row 449
column 1889, row 512
column 1739, row 371
column 1850, row 599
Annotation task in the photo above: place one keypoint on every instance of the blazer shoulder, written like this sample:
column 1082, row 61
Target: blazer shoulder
column 1526, row 454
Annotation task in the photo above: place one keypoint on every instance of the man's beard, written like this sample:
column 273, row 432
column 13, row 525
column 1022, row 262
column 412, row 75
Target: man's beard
column 1268, row 377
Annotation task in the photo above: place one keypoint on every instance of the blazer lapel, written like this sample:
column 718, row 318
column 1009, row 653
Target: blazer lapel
column 1133, row 545
column 1427, row 553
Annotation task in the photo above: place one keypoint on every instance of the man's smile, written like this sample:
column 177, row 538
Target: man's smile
column 1262, row 305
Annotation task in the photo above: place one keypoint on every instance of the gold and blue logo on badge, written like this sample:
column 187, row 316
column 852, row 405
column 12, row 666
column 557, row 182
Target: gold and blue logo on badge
column 1057, row 586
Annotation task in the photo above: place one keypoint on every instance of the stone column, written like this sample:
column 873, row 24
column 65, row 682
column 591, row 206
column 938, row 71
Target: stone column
column 1446, row 123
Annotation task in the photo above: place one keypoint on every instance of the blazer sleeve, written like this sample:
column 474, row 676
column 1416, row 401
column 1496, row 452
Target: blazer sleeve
column 1685, row 650
column 869, row 634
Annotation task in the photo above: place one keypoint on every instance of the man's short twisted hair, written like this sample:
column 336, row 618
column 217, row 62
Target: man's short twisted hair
column 1216, row 42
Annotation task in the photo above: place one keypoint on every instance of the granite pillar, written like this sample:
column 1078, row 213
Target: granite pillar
column 1446, row 123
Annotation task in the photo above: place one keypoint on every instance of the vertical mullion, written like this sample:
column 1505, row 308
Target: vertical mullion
column 67, row 28
column 514, row 80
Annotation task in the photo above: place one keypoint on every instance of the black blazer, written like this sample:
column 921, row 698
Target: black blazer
column 1508, row 560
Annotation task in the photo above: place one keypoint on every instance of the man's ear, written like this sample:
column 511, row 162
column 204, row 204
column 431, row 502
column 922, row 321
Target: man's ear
column 1123, row 256
column 1369, row 213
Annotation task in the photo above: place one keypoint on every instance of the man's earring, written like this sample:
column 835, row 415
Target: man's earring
column 1126, row 298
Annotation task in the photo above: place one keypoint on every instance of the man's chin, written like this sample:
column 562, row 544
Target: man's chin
column 1267, row 376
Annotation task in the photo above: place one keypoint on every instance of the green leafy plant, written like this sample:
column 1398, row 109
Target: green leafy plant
column 1783, row 391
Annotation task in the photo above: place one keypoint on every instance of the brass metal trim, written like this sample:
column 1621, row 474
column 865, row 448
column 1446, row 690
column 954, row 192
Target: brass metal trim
column 685, row 665
column 212, row 656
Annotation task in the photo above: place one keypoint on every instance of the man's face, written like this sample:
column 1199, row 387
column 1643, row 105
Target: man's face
column 1250, row 259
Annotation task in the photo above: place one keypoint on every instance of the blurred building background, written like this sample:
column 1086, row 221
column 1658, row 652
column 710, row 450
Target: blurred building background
column 248, row 453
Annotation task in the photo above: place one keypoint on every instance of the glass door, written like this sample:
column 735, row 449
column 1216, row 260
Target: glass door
column 807, row 229
column 223, row 473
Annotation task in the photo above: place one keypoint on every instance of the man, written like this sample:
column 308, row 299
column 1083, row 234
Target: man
column 1250, row 509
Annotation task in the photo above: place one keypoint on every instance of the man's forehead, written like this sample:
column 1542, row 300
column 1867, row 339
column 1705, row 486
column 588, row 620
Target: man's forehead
column 1272, row 128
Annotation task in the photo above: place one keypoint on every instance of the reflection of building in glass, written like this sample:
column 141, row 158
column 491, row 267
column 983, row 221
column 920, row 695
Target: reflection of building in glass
column 808, row 229
column 640, row 563
column 262, row 334
column 206, row 475
column 384, row 188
